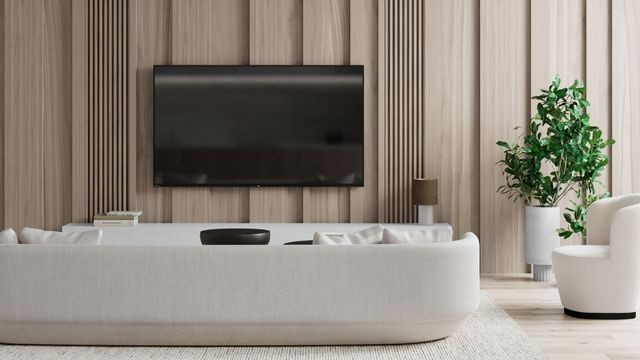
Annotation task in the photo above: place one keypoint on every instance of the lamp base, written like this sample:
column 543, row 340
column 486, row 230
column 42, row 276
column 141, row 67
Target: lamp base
column 425, row 214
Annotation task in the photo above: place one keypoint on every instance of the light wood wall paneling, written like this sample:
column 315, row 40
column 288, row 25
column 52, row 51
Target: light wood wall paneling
column 598, row 71
column 363, row 202
column 2, row 115
column 130, row 105
column 210, row 32
column 151, row 36
column 56, row 117
column 79, row 111
column 625, row 95
column 557, row 48
column 504, row 104
column 383, row 107
column 325, row 42
column 229, row 45
column 451, row 120
column 24, row 189
column 191, row 36
column 275, row 38
column 403, row 117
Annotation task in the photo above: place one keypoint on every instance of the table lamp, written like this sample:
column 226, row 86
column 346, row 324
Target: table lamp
column 424, row 194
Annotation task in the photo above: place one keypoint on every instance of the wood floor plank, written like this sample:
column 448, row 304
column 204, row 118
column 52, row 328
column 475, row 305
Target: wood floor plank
column 536, row 307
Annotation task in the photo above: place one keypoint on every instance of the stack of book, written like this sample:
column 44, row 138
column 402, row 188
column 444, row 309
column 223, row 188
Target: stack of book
column 117, row 218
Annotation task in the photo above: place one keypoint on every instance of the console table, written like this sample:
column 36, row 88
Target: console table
column 189, row 234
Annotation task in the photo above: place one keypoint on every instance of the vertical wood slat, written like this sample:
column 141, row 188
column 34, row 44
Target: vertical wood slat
column 275, row 38
column 229, row 44
column 598, row 71
column 23, row 114
column 2, row 114
column 403, row 155
column 504, row 70
column 451, row 122
column 80, row 60
column 557, row 48
column 625, row 88
column 325, row 42
column 130, row 106
column 210, row 32
column 56, row 112
column 36, row 114
column 381, row 163
column 151, row 37
column 108, row 81
column 190, row 34
column 363, row 202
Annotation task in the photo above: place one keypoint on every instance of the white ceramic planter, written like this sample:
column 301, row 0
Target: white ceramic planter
column 541, row 237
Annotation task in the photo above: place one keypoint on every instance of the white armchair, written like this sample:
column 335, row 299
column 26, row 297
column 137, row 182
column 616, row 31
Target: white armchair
column 601, row 280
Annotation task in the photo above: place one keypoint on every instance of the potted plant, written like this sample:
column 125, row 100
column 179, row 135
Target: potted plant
column 561, row 153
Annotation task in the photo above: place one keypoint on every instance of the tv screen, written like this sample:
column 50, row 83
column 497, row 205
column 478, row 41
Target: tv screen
column 258, row 125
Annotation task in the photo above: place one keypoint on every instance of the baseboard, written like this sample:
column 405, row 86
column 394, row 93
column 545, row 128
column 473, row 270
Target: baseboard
column 600, row 316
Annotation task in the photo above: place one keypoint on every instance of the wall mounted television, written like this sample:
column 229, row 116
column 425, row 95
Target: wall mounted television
column 258, row 125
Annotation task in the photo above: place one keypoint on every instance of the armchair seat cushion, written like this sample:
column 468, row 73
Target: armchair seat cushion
column 583, row 251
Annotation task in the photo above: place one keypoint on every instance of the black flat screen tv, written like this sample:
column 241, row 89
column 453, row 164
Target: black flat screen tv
column 258, row 125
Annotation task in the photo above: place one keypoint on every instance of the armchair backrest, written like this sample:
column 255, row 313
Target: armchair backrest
column 600, row 215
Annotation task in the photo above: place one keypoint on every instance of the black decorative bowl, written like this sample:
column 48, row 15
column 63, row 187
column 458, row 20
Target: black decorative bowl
column 235, row 237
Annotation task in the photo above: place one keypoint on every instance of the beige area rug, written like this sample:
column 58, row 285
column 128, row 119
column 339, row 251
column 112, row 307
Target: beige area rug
column 489, row 334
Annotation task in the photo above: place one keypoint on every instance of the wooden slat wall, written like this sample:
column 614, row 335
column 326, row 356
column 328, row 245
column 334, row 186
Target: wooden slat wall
column 275, row 38
column 79, row 111
column 37, row 113
column 152, row 39
column 325, row 42
column 2, row 189
column 504, row 104
column 240, row 32
column 557, row 48
column 598, row 70
column 443, row 81
column 108, row 105
column 626, row 95
column 56, row 119
column 191, row 33
column 451, row 120
column 403, row 109
column 210, row 32
column 363, row 202
column 23, row 120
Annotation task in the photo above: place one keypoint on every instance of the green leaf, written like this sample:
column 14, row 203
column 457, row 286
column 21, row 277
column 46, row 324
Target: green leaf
column 504, row 144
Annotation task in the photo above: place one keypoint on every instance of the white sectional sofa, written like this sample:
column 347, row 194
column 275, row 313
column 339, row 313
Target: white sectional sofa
column 236, row 295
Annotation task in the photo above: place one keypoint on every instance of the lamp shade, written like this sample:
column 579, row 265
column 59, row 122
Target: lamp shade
column 424, row 191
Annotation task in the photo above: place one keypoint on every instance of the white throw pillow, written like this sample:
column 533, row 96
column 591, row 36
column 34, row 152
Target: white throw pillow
column 372, row 235
column 8, row 236
column 37, row 236
column 436, row 234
